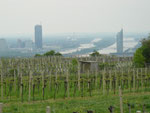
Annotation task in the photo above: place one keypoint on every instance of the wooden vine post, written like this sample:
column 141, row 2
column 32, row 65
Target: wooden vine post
column 116, row 79
column 122, row 73
column 43, row 84
column 104, row 82
column 30, row 76
column 121, row 102
column 137, row 78
column 110, row 77
column 21, row 83
column 79, row 67
column 96, row 76
column 129, row 106
column 67, row 79
column 50, row 74
column 1, row 108
column 15, row 80
column 129, row 79
column 142, row 78
column 133, row 80
column 88, row 74
column 48, row 109
column 1, row 85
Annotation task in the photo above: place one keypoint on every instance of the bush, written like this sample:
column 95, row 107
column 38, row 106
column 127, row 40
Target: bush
column 49, row 53
column 139, row 59
column 142, row 54
column 74, row 67
column 95, row 53
column 37, row 55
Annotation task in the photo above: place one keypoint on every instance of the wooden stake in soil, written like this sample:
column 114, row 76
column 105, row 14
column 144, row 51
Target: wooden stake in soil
column 21, row 89
column 21, row 92
column 1, row 107
column 1, row 85
column 129, row 106
column 104, row 82
column 90, row 111
column 30, row 86
column 144, row 108
column 67, row 79
column 79, row 75
column 15, row 80
column 110, row 77
column 96, row 76
column 142, row 78
column 116, row 79
column 111, row 109
column 133, row 80
column 48, row 109
column 121, row 103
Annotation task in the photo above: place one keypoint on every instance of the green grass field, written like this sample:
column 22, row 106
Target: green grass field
column 99, row 104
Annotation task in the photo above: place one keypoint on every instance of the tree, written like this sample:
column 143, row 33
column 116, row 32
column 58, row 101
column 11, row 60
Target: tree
column 146, row 49
column 50, row 53
column 142, row 54
column 37, row 55
column 95, row 53
column 58, row 54
column 139, row 59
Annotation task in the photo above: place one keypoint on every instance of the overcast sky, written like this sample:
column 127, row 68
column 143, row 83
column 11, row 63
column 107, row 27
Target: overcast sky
column 59, row 16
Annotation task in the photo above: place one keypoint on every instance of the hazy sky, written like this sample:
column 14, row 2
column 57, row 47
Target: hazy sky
column 58, row 16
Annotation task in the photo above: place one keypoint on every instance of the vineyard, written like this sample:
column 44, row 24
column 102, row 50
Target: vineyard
column 44, row 78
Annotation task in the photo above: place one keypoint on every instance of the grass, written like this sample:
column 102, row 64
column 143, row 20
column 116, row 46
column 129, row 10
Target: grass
column 99, row 104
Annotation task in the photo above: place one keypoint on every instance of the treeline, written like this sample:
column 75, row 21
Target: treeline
column 49, row 53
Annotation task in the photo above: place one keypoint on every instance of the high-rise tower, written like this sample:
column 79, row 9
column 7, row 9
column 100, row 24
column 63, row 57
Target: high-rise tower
column 119, row 39
column 38, row 37
column 3, row 45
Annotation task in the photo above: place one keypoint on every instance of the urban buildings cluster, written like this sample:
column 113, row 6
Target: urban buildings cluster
column 3, row 45
column 36, row 44
column 23, row 48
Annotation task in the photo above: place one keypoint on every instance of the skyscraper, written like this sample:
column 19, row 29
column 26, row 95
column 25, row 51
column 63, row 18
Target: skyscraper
column 3, row 45
column 119, row 39
column 38, row 37
column 20, row 44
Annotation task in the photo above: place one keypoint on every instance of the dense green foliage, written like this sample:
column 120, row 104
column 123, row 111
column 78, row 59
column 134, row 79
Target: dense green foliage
column 49, row 53
column 142, row 54
column 106, row 65
column 139, row 59
column 58, row 54
column 37, row 55
column 74, row 65
column 95, row 53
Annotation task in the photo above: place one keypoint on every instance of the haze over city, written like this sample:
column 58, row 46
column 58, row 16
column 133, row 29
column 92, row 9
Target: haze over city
column 74, row 56
column 18, row 17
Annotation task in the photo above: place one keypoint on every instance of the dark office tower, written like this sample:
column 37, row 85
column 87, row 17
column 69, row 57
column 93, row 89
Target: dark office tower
column 38, row 37
column 120, row 41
